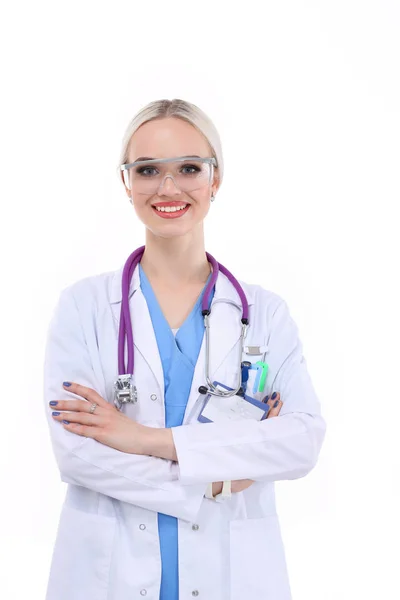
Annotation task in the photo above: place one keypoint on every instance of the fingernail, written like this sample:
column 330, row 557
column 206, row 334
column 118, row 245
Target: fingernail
column 53, row 403
column 64, row 421
column 55, row 414
column 266, row 399
column 276, row 403
column 273, row 396
column 66, row 383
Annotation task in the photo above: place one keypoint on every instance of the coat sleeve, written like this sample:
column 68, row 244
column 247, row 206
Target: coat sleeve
column 149, row 482
column 283, row 447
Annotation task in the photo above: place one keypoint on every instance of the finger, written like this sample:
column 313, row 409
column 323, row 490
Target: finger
column 275, row 410
column 77, row 405
column 268, row 400
column 82, row 418
column 86, row 392
column 271, row 400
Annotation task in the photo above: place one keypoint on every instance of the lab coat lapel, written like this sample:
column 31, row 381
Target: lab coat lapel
column 144, row 338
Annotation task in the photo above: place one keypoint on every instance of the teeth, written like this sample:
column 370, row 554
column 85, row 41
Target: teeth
column 170, row 208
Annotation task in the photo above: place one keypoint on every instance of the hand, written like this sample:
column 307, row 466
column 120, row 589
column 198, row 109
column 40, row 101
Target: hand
column 107, row 424
column 273, row 410
column 242, row 484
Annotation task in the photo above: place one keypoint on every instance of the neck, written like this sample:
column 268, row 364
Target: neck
column 176, row 261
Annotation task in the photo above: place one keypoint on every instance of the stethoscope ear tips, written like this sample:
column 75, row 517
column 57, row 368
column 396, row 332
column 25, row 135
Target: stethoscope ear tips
column 203, row 389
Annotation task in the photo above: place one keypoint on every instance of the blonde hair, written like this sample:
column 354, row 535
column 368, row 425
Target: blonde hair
column 181, row 109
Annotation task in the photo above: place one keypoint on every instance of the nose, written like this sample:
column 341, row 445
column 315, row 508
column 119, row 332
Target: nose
column 168, row 186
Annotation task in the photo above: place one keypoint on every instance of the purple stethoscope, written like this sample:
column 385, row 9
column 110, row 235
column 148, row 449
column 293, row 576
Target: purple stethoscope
column 125, row 390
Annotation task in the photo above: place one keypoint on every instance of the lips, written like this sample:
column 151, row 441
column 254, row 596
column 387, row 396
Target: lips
column 176, row 214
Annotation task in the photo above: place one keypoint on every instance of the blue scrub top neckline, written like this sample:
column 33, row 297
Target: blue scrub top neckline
column 147, row 288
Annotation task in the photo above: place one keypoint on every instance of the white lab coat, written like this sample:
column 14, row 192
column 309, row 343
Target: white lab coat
column 107, row 543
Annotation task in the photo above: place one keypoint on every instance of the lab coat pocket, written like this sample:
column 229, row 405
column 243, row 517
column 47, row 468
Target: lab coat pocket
column 81, row 559
column 257, row 560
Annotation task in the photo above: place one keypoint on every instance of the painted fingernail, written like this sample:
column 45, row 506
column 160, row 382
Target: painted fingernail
column 53, row 403
column 66, row 383
column 64, row 421
column 273, row 396
column 276, row 403
column 266, row 399
column 55, row 414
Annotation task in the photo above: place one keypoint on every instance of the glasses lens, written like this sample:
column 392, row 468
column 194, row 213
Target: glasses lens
column 188, row 176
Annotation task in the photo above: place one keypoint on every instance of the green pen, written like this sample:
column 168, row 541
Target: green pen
column 262, row 372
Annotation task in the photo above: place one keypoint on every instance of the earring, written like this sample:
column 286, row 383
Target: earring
column 212, row 198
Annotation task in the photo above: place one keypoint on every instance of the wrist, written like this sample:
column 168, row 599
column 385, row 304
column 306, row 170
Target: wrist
column 159, row 443
column 219, row 491
column 217, row 487
column 141, row 439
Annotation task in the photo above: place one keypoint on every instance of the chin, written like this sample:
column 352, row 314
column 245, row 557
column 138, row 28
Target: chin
column 174, row 232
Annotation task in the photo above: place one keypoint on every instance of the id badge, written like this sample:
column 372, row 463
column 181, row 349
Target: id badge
column 234, row 408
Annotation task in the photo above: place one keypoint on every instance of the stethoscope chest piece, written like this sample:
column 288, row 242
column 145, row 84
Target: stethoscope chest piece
column 125, row 390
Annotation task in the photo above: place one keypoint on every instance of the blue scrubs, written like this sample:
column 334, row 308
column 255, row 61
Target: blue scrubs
column 178, row 356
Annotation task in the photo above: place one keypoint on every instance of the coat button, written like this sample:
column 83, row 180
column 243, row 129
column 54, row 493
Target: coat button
column 143, row 592
column 153, row 397
column 195, row 527
column 195, row 593
column 142, row 526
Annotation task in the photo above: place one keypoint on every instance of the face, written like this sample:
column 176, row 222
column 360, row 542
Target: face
column 166, row 138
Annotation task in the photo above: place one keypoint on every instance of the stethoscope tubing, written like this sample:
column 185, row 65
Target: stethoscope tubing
column 125, row 325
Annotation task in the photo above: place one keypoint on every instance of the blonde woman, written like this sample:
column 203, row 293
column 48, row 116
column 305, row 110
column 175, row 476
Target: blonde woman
column 171, row 484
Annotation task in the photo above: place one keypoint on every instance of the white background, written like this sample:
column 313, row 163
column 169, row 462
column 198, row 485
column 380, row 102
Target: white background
column 306, row 99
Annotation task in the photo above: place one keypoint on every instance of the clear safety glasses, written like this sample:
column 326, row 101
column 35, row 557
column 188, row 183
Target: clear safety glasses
column 189, row 173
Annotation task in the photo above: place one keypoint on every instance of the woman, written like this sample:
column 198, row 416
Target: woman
column 143, row 474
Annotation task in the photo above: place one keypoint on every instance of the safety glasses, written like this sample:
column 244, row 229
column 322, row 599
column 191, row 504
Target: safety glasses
column 189, row 173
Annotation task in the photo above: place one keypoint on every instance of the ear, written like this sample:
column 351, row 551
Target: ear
column 128, row 192
column 216, row 183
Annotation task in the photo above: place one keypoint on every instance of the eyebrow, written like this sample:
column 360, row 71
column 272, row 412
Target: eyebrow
column 150, row 158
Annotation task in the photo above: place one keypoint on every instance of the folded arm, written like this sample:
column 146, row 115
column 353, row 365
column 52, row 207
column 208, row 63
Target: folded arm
column 286, row 447
column 146, row 481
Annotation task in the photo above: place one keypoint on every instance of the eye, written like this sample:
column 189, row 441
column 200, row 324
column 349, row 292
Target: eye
column 195, row 169
column 141, row 170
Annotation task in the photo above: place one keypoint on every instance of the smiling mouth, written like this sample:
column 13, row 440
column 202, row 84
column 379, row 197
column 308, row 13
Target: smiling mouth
column 170, row 208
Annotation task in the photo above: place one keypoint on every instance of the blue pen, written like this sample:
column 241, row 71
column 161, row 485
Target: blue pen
column 246, row 366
